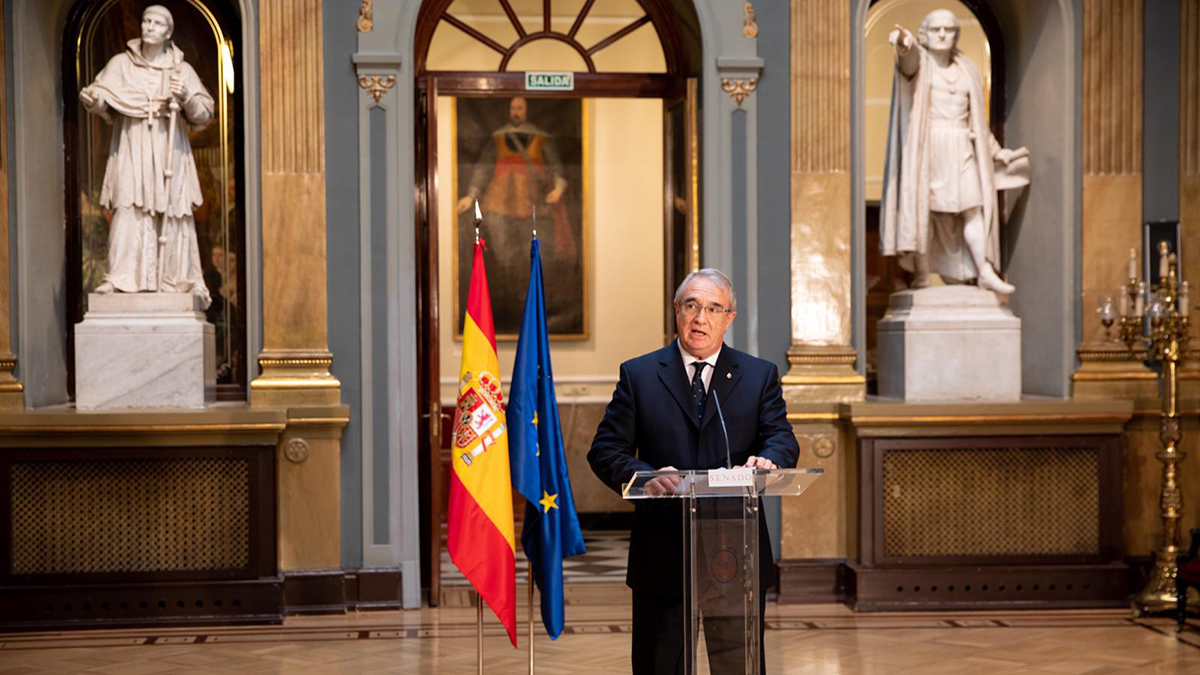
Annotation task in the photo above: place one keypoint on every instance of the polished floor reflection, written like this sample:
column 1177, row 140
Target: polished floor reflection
column 801, row 640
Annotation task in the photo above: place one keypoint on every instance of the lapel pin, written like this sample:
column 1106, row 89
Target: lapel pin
column 728, row 376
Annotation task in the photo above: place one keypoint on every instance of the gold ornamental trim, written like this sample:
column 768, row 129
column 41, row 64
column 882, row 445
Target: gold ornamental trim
column 8, row 364
column 750, row 26
column 296, row 383
column 822, row 379
column 376, row 85
column 1113, row 377
column 1087, row 355
column 823, row 447
column 822, row 359
column 319, row 421
column 813, row 417
column 739, row 89
column 270, row 361
column 135, row 428
column 296, row 450
column 11, row 388
column 366, row 18
column 989, row 419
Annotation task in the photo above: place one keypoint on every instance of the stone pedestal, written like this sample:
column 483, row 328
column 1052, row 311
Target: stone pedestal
column 144, row 350
column 949, row 343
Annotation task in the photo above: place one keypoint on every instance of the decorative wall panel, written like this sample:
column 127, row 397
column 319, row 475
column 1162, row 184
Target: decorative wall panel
column 821, row 356
column 1112, row 149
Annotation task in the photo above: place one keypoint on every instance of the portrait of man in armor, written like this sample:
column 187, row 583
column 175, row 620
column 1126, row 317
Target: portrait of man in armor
column 521, row 160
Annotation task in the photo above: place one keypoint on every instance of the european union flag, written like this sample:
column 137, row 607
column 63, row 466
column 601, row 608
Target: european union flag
column 539, row 463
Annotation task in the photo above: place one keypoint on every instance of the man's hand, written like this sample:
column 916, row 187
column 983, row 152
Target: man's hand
column 554, row 195
column 755, row 462
column 901, row 39
column 87, row 97
column 1005, row 156
column 663, row 485
column 178, row 88
column 465, row 203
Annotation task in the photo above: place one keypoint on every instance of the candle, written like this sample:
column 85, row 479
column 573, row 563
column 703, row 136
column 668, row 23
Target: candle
column 1133, row 263
column 1162, row 263
column 1139, row 307
column 1183, row 300
column 1124, row 303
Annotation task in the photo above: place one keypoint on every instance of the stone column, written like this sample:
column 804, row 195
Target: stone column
column 821, row 356
column 12, row 394
column 295, row 358
column 1112, row 190
column 818, row 525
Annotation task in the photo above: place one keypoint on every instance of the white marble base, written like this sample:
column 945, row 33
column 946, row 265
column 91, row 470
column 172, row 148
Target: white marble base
column 144, row 350
column 949, row 343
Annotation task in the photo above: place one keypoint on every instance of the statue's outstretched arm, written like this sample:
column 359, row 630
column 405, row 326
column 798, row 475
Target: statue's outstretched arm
column 908, row 56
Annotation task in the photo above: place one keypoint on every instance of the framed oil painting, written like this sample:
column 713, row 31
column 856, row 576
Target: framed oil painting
column 523, row 160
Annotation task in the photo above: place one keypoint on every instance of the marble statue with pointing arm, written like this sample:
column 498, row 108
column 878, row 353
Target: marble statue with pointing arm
column 944, row 167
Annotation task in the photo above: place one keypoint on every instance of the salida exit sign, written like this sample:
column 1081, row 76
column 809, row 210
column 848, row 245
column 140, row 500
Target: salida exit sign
column 549, row 81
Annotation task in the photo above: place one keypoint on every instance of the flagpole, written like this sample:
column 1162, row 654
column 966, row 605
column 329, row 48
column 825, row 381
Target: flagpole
column 479, row 631
column 531, row 617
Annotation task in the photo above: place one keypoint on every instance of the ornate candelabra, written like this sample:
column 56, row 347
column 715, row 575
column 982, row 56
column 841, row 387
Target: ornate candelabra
column 1166, row 310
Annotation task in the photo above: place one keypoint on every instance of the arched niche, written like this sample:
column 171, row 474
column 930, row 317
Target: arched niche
column 1042, row 99
column 40, row 306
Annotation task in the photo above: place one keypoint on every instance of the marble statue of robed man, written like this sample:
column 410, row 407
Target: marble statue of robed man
column 943, row 166
column 152, row 97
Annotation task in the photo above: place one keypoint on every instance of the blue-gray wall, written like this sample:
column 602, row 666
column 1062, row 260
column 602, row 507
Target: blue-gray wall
column 774, row 181
column 774, row 200
column 342, row 242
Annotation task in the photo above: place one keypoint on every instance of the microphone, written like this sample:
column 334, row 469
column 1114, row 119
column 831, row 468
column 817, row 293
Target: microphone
column 724, row 431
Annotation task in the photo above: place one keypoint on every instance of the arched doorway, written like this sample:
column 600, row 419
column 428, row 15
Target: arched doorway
column 632, row 66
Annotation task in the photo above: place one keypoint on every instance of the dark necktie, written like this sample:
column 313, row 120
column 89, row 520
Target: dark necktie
column 699, row 395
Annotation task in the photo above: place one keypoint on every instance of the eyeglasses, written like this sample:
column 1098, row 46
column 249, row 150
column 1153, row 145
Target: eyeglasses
column 691, row 308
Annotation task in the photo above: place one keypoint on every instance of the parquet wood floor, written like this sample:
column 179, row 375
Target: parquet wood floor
column 800, row 640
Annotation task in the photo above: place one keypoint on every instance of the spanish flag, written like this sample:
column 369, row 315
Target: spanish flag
column 480, row 517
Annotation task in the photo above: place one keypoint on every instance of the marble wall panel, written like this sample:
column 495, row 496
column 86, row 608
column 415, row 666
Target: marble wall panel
column 821, row 522
column 579, row 422
column 309, row 502
column 821, row 173
column 294, row 306
column 821, row 258
column 1112, row 224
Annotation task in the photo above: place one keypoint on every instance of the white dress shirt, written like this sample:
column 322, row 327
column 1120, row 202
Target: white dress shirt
column 690, row 368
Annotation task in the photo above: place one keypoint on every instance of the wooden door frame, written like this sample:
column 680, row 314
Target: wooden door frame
column 498, row 85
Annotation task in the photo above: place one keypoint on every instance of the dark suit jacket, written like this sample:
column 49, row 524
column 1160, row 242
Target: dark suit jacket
column 651, row 423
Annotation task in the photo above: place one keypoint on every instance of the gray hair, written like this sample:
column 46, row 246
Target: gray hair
column 922, row 32
column 716, row 277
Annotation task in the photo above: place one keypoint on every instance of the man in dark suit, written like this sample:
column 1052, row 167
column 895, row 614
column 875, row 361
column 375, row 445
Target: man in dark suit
column 661, row 417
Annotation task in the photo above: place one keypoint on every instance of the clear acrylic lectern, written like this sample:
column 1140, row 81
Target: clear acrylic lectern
column 721, row 556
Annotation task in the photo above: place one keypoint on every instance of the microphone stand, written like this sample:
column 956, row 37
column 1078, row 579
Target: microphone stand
column 724, row 431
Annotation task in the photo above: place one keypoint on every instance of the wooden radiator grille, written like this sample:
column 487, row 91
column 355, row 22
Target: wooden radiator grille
column 991, row 502
column 111, row 516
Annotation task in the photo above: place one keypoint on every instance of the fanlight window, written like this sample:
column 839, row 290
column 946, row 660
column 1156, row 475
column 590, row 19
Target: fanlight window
column 568, row 35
